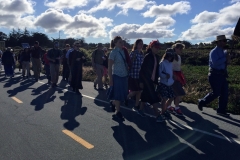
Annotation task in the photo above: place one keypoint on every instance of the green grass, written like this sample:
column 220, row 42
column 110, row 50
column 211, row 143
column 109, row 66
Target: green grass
column 198, row 86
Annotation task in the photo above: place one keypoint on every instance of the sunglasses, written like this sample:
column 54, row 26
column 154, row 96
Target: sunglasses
column 223, row 40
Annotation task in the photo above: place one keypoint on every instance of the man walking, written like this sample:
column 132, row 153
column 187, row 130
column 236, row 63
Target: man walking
column 217, row 77
column 97, row 63
column 36, row 53
column 53, row 56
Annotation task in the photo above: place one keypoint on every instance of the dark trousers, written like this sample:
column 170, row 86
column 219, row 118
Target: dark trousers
column 219, row 87
column 47, row 70
column 66, row 71
column 8, row 70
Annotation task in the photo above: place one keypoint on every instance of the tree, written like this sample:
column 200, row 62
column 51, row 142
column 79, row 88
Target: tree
column 3, row 36
column 41, row 38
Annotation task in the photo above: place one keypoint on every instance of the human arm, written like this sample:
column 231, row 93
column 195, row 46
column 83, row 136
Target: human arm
column 217, row 59
column 110, row 64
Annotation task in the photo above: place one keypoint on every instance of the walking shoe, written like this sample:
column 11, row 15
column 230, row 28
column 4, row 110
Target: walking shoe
column 178, row 112
column 223, row 114
column 119, row 115
column 200, row 104
column 112, row 106
column 135, row 108
column 167, row 115
column 105, row 85
column 171, row 109
column 160, row 118
column 141, row 113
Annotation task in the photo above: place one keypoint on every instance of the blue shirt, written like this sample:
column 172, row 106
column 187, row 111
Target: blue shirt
column 217, row 58
column 68, row 52
column 119, row 67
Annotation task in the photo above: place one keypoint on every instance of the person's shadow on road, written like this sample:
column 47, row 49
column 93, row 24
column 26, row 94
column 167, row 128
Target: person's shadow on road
column 71, row 109
column 23, row 86
column 42, row 99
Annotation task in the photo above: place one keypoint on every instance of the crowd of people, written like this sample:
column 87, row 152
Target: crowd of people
column 147, row 77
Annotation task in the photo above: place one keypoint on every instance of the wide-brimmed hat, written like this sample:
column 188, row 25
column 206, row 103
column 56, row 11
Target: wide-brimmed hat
column 76, row 42
column 220, row 38
column 99, row 45
column 170, row 52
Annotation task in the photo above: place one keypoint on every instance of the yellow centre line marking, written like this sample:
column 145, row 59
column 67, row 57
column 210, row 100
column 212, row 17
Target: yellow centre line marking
column 17, row 100
column 78, row 139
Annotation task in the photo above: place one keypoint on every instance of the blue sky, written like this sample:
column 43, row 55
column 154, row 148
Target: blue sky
column 100, row 20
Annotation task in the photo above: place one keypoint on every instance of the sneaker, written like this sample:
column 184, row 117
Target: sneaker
column 105, row 85
column 171, row 109
column 135, row 108
column 167, row 115
column 160, row 118
column 119, row 115
column 200, row 104
column 141, row 113
column 223, row 114
column 112, row 106
column 178, row 112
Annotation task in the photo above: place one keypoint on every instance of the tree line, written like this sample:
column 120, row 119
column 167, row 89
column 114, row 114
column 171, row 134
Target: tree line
column 17, row 36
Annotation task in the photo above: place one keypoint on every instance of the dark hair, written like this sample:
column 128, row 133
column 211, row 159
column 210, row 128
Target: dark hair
column 36, row 42
column 67, row 45
column 169, row 53
column 136, row 44
column 114, row 41
column 177, row 46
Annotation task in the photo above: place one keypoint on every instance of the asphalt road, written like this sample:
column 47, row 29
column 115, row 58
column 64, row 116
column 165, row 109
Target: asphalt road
column 38, row 122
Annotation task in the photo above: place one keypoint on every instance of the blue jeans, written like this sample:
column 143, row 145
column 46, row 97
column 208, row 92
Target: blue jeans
column 219, row 87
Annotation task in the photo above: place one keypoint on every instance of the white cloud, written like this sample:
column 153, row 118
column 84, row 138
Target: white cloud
column 16, row 13
column 63, row 4
column 88, row 26
column 210, row 24
column 124, row 5
column 53, row 20
column 181, row 7
column 158, row 29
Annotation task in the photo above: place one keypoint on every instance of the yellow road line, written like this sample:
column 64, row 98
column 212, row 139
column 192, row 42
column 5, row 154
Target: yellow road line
column 17, row 100
column 78, row 139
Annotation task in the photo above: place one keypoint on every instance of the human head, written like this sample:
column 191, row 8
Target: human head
column 138, row 44
column 117, row 42
column 105, row 49
column 76, row 45
column 99, row 46
column 221, row 41
column 26, row 49
column 154, row 46
column 36, row 44
column 178, row 47
column 56, row 44
column 169, row 55
column 67, row 46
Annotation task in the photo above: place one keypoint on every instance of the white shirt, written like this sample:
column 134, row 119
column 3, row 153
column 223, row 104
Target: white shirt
column 166, row 67
column 177, row 64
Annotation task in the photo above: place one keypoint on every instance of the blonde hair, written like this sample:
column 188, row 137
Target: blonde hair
column 177, row 46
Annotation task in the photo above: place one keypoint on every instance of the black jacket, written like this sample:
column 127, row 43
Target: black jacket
column 147, row 67
column 7, row 58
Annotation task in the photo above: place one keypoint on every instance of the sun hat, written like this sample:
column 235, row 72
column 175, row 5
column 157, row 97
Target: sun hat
column 220, row 38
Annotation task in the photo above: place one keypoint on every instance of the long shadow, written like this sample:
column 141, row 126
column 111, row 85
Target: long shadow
column 225, row 119
column 71, row 109
column 12, row 81
column 42, row 99
column 39, row 90
column 101, row 99
column 23, row 86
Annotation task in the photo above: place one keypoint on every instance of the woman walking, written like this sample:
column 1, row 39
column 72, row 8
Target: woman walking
column 136, row 57
column 118, row 76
